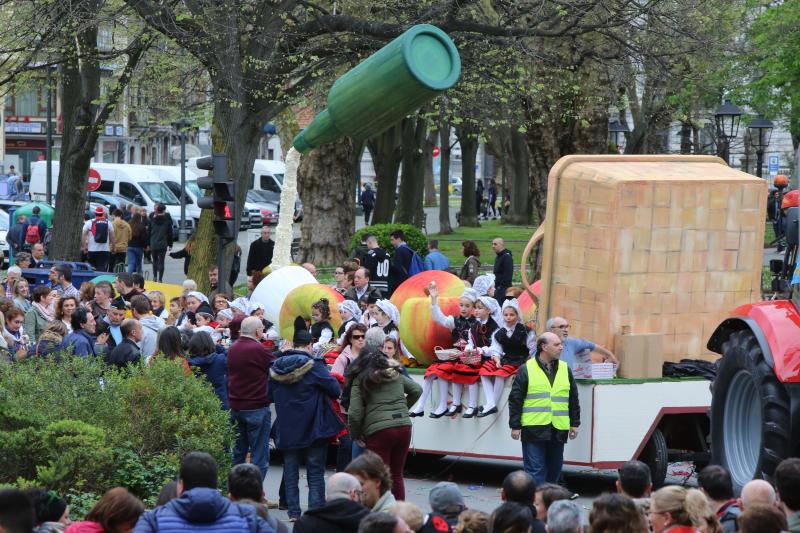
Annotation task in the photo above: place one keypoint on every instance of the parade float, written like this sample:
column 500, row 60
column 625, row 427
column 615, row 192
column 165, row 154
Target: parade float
column 644, row 255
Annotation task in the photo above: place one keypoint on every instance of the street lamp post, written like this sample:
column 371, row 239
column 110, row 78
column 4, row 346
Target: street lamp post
column 760, row 129
column 727, row 118
column 49, row 140
column 615, row 129
column 181, row 126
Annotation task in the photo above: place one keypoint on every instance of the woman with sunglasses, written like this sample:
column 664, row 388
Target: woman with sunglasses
column 351, row 346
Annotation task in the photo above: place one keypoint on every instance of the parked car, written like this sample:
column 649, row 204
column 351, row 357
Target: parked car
column 269, row 209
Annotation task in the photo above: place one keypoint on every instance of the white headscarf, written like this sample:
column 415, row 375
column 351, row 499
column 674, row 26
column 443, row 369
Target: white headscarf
column 242, row 304
column 482, row 284
column 225, row 313
column 513, row 304
column 351, row 307
column 470, row 294
column 254, row 306
column 494, row 309
column 199, row 295
column 390, row 309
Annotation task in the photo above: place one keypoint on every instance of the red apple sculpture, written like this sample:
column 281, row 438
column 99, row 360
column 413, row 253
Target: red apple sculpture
column 419, row 333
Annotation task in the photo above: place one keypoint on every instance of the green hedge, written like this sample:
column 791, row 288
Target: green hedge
column 80, row 427
column 414, row 237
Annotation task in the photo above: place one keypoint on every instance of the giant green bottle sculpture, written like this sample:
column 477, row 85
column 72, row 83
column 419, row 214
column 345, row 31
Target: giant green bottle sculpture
column 386, row 87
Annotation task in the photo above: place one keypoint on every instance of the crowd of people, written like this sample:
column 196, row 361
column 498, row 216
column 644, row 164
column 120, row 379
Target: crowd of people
column 349, row 387
column 358, row 499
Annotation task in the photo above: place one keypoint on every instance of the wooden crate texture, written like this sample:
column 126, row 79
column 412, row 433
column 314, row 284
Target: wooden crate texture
column 661, row 247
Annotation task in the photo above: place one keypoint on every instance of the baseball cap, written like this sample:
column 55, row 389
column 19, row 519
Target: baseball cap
column 301, row 338
column 446, row 498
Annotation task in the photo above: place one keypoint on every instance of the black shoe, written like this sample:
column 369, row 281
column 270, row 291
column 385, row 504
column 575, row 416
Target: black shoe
column 451, row 411
column 412, row 415
column 491, row 411
column 440, row 415
column 470, row 414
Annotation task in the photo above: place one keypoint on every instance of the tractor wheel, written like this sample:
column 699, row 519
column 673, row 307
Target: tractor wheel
column 654, row 455
column 750, row 416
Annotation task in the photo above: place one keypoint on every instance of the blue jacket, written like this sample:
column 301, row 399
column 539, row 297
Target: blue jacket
column 80, row 342
column 214, row 367
column 202, row 509
column 302, row 390
column 436, row 260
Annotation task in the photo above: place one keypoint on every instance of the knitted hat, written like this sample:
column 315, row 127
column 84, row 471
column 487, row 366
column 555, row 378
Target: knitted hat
column 301, row 337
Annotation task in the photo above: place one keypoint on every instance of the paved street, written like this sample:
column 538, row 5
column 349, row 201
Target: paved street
column 479, row 481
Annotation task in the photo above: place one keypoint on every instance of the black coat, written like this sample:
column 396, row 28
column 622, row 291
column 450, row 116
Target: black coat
column 336, row 516
column 161, row 232
column 126, row 352
column 260, row 255
column 503, row 272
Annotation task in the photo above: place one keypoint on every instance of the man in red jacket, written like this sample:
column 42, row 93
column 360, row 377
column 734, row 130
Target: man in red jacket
column 248, row 370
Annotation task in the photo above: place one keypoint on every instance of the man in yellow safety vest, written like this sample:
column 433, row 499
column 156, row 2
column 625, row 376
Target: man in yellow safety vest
column 544, row 410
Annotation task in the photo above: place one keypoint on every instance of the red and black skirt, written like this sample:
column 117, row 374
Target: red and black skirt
column 489, row 368
column 441, row 369
column 464, row 374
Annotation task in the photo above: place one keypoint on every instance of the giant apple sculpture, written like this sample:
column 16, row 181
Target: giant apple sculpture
column 273, row 289
column 419, row 333
column 298, row 303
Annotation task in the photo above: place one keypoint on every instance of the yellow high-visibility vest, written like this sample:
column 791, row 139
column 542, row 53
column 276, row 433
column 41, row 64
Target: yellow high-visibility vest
column 546, row 404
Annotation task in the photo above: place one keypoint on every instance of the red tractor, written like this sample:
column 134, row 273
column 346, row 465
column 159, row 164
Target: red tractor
column 755, row 406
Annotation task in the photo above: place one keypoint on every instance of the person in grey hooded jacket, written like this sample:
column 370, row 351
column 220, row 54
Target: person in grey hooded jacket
column 151, row 324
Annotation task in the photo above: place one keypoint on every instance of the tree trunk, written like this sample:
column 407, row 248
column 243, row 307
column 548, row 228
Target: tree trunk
column 236, row 133
column 444, row 180
column 386, row 152
column 409, row 205
column 468, row 140
column 508, row 146
column 83, row 115
column 326, row 182
column 430, row 189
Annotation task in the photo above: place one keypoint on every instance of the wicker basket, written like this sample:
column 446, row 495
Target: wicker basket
column 472, row 358
column 446, row 354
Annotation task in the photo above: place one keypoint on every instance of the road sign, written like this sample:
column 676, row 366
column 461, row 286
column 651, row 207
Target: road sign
column 436, row 151
column 774, row 165
column 93, row 182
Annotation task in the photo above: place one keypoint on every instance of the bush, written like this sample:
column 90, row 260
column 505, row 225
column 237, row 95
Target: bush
column 81, row 427
column 414, row 237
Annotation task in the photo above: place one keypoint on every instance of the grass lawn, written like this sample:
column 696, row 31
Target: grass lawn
column 769, row 235
column 516, row 237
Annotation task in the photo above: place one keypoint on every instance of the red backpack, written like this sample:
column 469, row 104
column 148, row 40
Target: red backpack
column 32, row 234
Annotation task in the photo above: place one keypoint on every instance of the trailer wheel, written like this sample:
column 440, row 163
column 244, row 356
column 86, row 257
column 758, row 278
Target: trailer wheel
column 750, row 416
column 654, row 455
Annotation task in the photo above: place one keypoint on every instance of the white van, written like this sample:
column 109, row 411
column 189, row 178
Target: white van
column 267, row 175
column 171, row 176
column 134, row 183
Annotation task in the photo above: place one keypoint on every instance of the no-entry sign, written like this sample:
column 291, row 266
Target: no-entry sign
column 93, row 182
column 436, row 151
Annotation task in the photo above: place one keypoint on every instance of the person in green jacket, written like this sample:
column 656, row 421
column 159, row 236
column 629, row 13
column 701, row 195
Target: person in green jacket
column 378, row 414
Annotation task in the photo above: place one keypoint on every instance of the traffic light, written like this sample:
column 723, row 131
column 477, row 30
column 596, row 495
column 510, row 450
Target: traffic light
column 223, row 196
